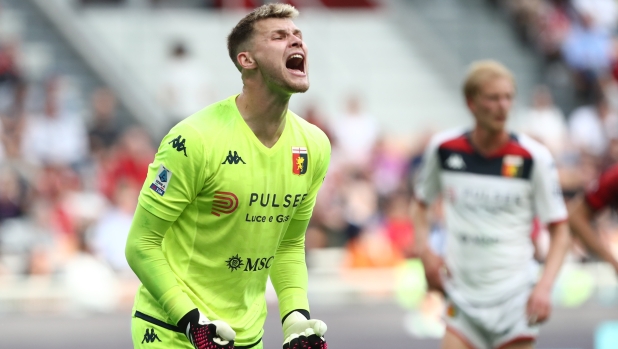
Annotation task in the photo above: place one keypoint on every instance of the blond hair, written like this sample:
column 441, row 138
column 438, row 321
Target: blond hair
column 481, row 72
column 243, row 31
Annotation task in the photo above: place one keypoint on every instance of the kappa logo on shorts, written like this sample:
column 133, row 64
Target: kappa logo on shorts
column 162, row 180
column 224, row 202
column 150, row 336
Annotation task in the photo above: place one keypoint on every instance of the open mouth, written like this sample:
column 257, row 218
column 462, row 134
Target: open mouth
column 296, row 63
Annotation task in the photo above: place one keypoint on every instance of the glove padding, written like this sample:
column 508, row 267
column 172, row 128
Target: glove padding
column 300, row 333
column 206, row 334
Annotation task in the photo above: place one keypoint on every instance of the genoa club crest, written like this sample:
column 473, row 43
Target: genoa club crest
column 300, row 160
column 512, row 165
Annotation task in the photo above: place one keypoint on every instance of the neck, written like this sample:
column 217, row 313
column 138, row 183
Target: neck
column 488, row 141
column 264, row 112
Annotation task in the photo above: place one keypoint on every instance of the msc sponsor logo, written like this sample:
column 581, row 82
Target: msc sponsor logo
column 224, row 202
column 271, row 200
column 250, row 264
column 234, row 263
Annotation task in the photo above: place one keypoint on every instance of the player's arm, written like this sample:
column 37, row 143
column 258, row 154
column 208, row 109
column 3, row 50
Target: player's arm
column 560, row 241
column 146, row 258
column 427, row 188
column 432, row 263
column 551, row 210
column 289, row 277
column 580, row 221
column 583, row 209
column 174, row 178
column 289, row 272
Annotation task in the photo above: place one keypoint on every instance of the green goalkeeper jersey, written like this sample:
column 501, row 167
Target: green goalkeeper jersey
column 231, row 200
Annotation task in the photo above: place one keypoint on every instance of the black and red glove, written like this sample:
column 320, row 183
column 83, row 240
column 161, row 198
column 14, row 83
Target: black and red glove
column 206, row 334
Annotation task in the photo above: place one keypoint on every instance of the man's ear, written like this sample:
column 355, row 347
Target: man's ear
column 246, row 61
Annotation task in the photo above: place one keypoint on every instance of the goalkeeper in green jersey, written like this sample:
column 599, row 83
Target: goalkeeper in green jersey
column 226, row 204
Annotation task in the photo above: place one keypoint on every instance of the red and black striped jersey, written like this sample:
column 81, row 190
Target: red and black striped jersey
column 604, row 192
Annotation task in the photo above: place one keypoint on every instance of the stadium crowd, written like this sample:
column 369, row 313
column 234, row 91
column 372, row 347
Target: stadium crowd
column 70, row 175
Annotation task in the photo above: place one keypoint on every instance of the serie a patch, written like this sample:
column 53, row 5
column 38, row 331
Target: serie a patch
column 162, row 180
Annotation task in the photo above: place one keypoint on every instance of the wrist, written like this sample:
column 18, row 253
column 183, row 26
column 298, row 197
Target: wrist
column 191, row 317
column 304, row 312
column 543, row 286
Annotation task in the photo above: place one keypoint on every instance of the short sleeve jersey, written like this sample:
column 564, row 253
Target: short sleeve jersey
column 231, row 200
column 490, row 203
column 604, row 193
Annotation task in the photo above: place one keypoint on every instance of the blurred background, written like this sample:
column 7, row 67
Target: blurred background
column 89, row 87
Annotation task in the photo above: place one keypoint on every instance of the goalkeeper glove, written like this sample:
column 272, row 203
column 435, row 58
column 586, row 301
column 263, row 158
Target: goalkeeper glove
column 300, row 332
column 206, row 334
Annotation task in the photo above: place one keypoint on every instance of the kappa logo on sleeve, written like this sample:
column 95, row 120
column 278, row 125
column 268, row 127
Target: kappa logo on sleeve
column 162, row 180
column 178, row 143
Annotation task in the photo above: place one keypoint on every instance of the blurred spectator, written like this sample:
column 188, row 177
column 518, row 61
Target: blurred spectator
column 526, row 13
column 545, row 122
column 90, row 283
column 360, row 203
column 104, row 130
column 587, row 49
column 397, row 224
column 553, row 28
column 55, row 137
column 313, row 116
column 13, row 194
column 356, row 133
column 52, row 187
column 128, row 163
column 591, row 127
column 9, row 71
column 604, row 13
column 28, row 245
column 389, row 166
column 102, row 2
column 109, row 233
column 185, row 88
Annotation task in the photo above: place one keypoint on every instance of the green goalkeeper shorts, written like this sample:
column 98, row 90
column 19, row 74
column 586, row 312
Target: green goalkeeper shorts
column 150, row 333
